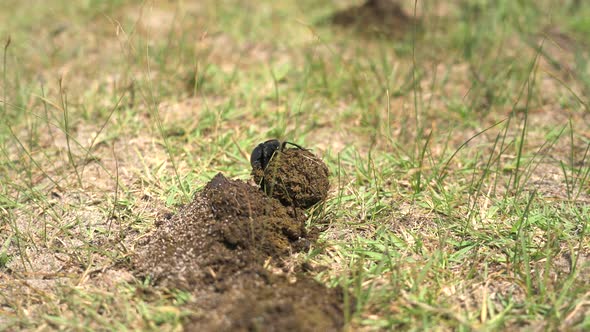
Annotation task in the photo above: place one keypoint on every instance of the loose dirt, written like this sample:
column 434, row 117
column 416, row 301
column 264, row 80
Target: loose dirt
column 224, row 246
column 376, row 17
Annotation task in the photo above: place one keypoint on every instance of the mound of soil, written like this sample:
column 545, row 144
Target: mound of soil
column 296, row 177
column 220, row 246
column 382, row 17
column 228, row 226
column 272, row 305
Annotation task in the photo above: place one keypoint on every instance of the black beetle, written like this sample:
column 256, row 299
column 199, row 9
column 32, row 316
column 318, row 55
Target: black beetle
column 263, row 152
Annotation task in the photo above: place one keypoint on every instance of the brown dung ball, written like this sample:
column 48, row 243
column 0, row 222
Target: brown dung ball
column 294, row 176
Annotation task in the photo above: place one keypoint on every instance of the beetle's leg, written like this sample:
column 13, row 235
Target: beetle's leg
column 286, row 142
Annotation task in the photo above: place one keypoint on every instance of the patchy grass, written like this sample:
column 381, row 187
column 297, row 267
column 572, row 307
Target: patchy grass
column 458, row 154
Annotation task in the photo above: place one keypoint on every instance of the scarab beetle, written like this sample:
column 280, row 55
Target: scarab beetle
column 263, row 152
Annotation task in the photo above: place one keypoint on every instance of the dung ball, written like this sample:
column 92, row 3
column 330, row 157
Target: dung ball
column 294, row 176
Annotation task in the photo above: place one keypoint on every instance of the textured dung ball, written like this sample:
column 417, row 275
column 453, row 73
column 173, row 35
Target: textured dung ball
column 294, row 176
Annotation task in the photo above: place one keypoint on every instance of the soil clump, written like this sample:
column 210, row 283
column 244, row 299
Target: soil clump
column 377, row 17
